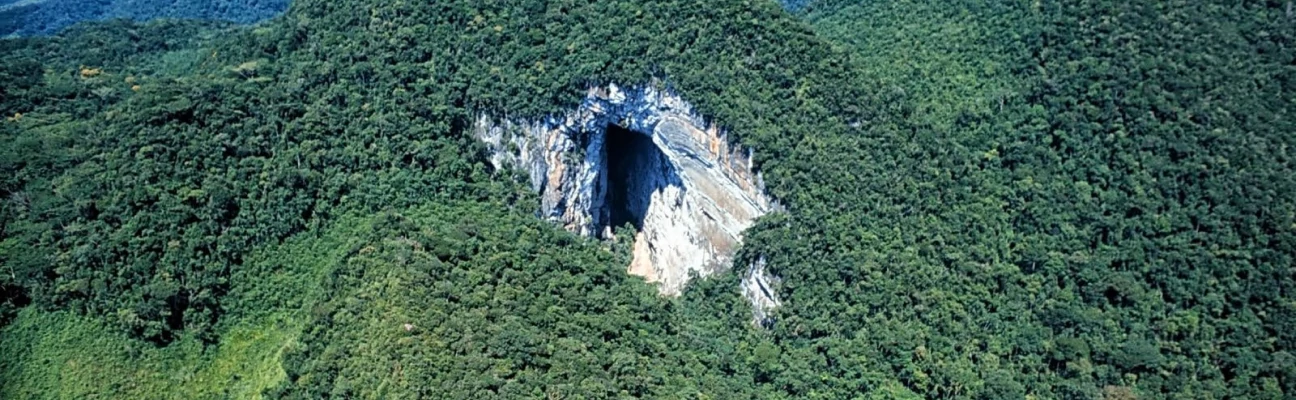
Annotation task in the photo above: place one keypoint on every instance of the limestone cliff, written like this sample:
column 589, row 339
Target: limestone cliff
column 758, row 288
column 639, row 156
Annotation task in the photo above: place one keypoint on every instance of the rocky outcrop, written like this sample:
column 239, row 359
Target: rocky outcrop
column 639, row 156
column 758, row 288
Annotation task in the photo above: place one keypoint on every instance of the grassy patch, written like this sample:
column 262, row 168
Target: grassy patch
column 58, row 355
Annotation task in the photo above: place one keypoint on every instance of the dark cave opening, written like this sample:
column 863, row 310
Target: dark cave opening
column 636, row 168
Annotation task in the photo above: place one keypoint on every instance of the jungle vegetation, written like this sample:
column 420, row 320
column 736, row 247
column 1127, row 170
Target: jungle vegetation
column 985, row 199
column 47, row 17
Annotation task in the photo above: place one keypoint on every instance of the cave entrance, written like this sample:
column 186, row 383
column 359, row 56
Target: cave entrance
column 636, row 169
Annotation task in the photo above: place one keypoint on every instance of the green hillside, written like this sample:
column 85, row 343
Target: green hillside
column 48, row 17
column 984, row 199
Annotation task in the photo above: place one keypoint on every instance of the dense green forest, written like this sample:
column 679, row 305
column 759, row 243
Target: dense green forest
column 46, row 17
column 985, row 199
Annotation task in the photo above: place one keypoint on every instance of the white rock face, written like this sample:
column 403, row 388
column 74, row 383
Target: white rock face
column 758, row 288
column 691, row 197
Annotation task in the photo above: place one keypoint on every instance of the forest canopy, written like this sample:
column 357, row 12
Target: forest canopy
column 985, row 199
column 47, row 17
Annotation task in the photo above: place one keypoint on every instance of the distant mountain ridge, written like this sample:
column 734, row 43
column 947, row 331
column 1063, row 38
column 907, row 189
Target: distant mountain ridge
column 46, row 17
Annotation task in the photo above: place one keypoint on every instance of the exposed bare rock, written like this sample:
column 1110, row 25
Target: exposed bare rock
column 638, row 156
column 758, row 288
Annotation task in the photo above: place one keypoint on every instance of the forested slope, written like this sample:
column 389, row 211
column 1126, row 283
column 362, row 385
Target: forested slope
column 46, row 17
column 1121, row 214
column 985, row 200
